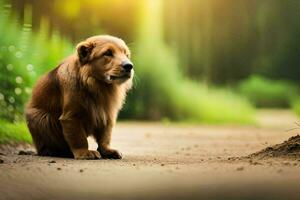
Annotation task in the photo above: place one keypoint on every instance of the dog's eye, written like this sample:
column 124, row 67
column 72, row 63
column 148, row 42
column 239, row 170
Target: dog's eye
column 108, row 53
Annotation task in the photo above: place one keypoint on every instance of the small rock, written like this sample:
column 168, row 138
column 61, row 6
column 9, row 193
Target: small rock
column 52, row 161
column 81, row 170
column 240, row 168
column 256, row 163
column 270, row 163
column 58, row 168
column 286, row 163
column 269, row 149
column 1, row 161
column 133, row 164
column 162, row 164
column 2, row 154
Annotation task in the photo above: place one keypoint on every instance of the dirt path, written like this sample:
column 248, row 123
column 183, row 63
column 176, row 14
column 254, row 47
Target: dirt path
column 164, row 162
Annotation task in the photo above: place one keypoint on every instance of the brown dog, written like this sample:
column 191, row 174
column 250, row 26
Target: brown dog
column 79, row 98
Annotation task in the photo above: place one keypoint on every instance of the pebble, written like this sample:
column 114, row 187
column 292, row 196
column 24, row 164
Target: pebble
column 162, row 164
column 81, row 170
column 58, row 168
column 286, row 163
column 1, row 161
column 52, row 161
column 256, row 163
column 240, row 168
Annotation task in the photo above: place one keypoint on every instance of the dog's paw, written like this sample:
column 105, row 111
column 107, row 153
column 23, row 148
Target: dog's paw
column 84, row 154
column 110, row 154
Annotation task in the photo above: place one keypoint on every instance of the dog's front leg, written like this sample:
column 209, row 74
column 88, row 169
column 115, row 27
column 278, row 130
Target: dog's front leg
column 103, row 139
column 75, row 136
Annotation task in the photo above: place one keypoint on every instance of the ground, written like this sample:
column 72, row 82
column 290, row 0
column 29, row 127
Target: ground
column 164, row 161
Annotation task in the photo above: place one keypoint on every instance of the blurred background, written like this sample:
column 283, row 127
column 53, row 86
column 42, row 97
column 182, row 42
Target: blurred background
column 203, row 61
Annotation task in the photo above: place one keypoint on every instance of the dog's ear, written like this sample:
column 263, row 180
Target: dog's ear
column 84, row 50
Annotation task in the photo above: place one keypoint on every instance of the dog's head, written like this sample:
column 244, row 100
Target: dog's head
column 105, row 58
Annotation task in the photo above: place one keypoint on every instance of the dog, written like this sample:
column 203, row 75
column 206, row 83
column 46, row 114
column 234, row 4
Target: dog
column 81, row 97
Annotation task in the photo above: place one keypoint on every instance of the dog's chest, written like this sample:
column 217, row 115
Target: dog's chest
column 98, row 113
column 101, row 110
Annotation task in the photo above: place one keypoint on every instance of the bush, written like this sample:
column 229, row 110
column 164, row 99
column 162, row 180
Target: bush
column 161, row 92
column 265, row 92
column 24, row 56
column 296, row 105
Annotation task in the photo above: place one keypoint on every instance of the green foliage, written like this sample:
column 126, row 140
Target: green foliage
column 162, row 92
column 296, row 105
column 232, row 39
column 14, row 132
column 265, row 92
column 24, row 56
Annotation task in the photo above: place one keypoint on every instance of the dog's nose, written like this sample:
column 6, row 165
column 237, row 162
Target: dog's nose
column 127, row 66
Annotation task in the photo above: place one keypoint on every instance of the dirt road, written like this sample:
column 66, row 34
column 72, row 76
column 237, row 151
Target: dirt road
column 164, row 161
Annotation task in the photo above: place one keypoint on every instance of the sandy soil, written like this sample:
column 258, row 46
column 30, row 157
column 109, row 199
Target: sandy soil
column 164, row 161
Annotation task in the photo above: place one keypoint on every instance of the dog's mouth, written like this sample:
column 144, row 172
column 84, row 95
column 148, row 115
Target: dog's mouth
column 122, row 77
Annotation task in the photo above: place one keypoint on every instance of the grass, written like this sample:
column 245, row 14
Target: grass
column 14, row 132
column 264, row 92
